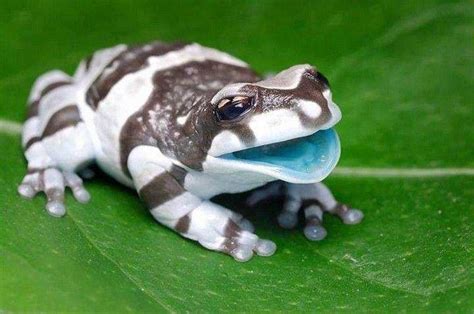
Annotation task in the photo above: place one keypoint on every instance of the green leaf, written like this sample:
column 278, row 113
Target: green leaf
column 403, row 76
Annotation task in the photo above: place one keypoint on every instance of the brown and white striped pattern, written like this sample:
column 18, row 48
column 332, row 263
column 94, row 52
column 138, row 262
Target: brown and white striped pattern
column 213, row 226
column 130, row 60
column 292, row 104
column 61, row 119
column 54, row 117
column 93, row 66
column 137, row 106
column 126, row 92
column 52, row 110
column 31, row 133
column 161, row 187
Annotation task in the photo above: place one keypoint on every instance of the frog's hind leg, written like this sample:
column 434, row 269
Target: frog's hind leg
column 56, row 142
column 162, row 187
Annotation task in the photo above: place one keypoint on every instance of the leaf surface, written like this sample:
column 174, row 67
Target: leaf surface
column 402, row 74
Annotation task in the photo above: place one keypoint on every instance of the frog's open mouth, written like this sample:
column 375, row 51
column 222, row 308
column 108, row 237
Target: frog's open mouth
column 301, row 160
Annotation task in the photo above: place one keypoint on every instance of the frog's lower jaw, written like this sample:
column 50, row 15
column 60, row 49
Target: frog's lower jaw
column 302, row 160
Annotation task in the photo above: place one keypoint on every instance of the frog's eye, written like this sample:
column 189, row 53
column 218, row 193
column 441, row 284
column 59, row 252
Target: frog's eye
column 229, row 109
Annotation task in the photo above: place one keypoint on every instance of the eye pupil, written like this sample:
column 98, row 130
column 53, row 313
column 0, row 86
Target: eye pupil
column 232, row 108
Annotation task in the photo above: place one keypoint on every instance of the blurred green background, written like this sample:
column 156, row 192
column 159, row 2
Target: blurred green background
column 403, row 75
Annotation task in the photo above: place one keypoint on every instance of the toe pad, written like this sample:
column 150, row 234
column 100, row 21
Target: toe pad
column 315, row 233
column 353, row 216
column 265, row 247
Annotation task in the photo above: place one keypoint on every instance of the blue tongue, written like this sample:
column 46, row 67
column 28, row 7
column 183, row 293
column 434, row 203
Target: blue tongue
column 307, row 157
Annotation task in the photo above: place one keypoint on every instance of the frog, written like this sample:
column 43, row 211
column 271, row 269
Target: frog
column 181, row 123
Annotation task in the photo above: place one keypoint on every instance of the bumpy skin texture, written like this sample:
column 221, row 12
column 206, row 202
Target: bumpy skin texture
column 160, row 118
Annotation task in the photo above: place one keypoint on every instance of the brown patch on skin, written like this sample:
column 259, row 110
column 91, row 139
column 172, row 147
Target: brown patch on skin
column 313, row 221
column 187, row 90
column 160, row 189
column 307, row 84
column 340, row 210
column 33, row 108
column 53, row 86
column 133, row 134
column 231, row 229
column 245, row 134
column 322, row 79
column 231, row 233
column 131, row 60
column 178, row 173
column 40, row 186
column 31, row 141
column 61, row 119
column 182, row 226
column 179, row 91
column 308, row 89
column 34, row 170
column 308, row 122
column 88, row 62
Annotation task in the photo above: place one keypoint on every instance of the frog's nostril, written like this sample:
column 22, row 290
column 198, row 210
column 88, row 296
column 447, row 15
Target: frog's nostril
column 322, row 79
column 318, row 76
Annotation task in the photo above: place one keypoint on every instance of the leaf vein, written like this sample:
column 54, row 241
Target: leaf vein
column 128, row 276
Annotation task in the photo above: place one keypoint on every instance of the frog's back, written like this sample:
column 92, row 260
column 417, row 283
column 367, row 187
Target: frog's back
column 162, row 78
column 101, row 71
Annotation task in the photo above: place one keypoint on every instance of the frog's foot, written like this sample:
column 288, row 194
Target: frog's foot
column 52, row 182
column 314, row 199
column 313, row 212
column 219, row 229
column 242, row 244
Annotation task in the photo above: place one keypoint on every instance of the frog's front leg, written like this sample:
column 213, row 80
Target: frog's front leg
column 314, row 199
column 56, row 142
column 161, row 186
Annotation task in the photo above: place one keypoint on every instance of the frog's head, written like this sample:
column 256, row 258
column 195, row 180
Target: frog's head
column 280, row 126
